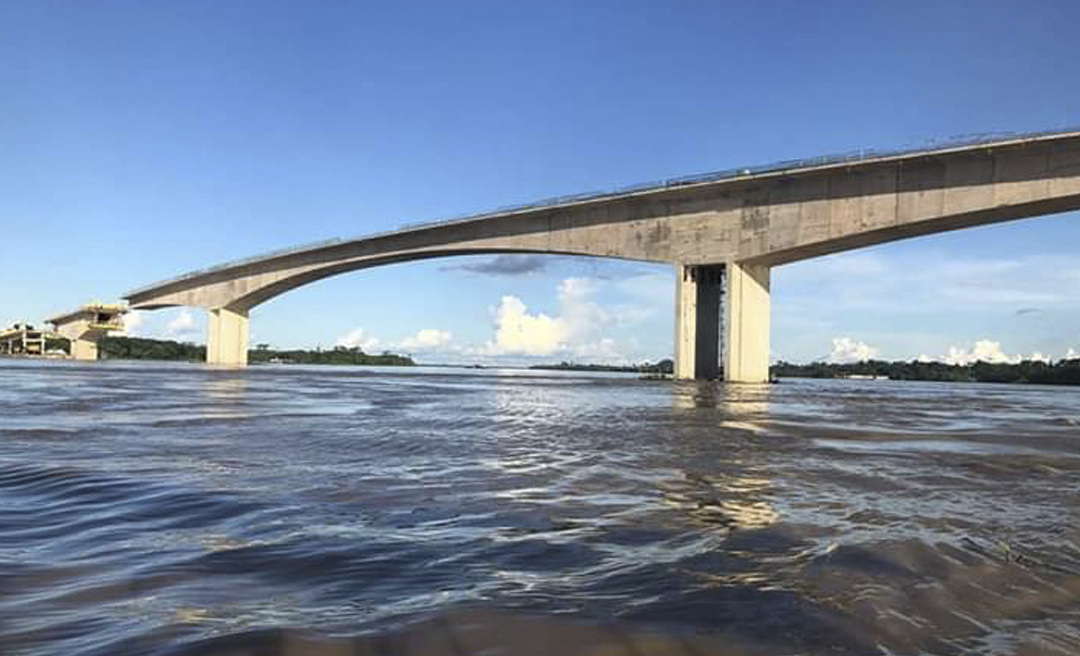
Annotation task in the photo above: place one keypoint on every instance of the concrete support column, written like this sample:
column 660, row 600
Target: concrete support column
column 697, row 321
column 84, row 349
column 227, row 337
column 746, row 324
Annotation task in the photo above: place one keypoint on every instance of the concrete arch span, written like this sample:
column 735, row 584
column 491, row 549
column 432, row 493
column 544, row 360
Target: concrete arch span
column 245, row 294
column 228, row 335
column 722, row 234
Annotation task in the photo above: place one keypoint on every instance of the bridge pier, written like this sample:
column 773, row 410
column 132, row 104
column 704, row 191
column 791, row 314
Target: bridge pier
column 227, row 337
column 746, row 323
column 697, row 321
column 84, row 349
column 743, row 293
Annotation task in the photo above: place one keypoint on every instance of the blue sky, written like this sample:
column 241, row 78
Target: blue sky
column 142, row 140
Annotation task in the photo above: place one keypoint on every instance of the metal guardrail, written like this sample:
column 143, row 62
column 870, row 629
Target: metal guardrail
column 235, row 263
column 850, row 157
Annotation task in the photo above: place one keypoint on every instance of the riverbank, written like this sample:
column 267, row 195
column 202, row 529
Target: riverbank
column 141, row 348
column 1062, row 372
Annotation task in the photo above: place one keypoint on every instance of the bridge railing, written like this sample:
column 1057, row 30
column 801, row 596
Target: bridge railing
column 849, row 157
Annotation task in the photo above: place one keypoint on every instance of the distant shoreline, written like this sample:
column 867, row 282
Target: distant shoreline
column 141, row 348
column 1033, row 372
column 661, row 367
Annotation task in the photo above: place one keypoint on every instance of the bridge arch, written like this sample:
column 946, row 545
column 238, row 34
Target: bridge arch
column 722, row 232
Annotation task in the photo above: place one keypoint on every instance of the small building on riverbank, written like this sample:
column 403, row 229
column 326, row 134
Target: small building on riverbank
column 22, row 339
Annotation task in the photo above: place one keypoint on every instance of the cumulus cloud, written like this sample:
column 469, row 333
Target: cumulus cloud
column 988, row 350
column 1072, row 354
column 518, row 332
column 508, row 265
column 357, row 338
column 575, row 331
column 846, row 350
column 426, row 339
column 985, row 350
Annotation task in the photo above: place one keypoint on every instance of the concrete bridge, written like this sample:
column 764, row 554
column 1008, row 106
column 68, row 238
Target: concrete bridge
column 86, row 325
column 722, row 232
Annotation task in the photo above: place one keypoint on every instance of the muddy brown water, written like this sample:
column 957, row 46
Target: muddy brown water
column 176, row 509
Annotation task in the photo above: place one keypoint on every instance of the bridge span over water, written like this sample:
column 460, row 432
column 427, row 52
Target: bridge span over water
column 722, row 232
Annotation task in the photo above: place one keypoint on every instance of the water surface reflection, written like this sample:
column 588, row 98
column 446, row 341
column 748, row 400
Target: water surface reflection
column 285, row 510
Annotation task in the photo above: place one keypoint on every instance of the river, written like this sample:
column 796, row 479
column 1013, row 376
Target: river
column 177, row 509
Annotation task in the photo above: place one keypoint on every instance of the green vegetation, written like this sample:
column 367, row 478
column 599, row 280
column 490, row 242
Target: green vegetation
column 1063, row 372
column 139, row 348
column 337, row 355
column 662, row 367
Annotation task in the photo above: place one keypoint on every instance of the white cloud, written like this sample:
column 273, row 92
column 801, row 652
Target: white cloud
column 357, row 338
column 575, row 331
column 134, row 323
column 426, row 339
column 988, row 350
column 985, row 350
column 182, row 322
column 922, row 300
column 182, row 326
column 583, row 317
column 1072, row 354
column 931, row 282
column 845, row 350
column 518, row 332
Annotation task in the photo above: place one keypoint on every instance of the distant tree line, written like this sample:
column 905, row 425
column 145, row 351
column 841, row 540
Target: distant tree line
column 337, row 355
column 141, row 348
column 665, row 366
column 1062, row 372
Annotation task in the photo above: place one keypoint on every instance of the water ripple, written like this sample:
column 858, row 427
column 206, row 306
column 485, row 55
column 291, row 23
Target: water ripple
column 182, row 510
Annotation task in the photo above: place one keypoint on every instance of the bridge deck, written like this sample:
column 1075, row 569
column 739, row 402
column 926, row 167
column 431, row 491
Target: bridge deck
column 781, row 168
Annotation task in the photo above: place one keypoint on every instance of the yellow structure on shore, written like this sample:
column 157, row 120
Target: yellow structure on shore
column 23, row 339
column 88, row 324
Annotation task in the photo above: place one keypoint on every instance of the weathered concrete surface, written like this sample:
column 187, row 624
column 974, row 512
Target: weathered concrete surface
column 697, row 321
column 746, row 323
column 755, row 220
column 84, row 349
column 88, row 324
column 227, row 337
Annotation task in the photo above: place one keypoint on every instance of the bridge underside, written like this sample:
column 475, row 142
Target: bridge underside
column 723, row 236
